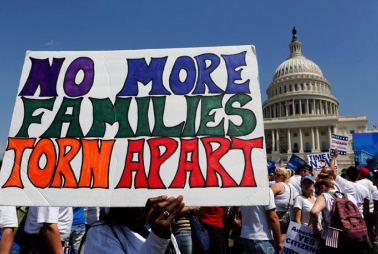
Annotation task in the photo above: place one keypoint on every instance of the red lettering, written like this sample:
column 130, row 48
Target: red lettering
column 96, row 163
column 189, row 148
column 135, row 146
column 213, row 164
column 41, row 177
column 154, row 180
column 64, row 170
column 19, row 146
column 247, row 146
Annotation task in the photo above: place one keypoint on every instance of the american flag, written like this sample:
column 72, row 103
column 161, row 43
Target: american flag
column 290, row 102
column 332, row 238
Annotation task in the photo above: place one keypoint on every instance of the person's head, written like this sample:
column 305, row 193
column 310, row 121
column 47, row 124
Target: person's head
column 305, row 170
column 323, row 183
column 351, row 174
column 307, row 184
column 343, row 173
column 329, row 172
column 282, row 175
column 363, row 173
column 298, row 171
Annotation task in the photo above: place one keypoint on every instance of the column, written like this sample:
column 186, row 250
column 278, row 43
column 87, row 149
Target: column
column 287, row 111
column 313, row 107
column 313, row 139
column 317, row 138
column 278, row 140
column 326, row 107
column 307, row 108
column 273, row 144
column 300, row 141
column 288, row 141
column 274, row 110
column 330, row 136
column 293, row 107
column 300, row 106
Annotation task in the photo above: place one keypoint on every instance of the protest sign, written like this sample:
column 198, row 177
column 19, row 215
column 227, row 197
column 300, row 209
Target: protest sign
column 295, row 162
column 113, row 128
column 300, row 239
column 319, row 161
column 339, row 142
column 365, row 146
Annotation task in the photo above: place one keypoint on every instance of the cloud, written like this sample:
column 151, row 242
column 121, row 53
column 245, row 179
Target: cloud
column 50, row 43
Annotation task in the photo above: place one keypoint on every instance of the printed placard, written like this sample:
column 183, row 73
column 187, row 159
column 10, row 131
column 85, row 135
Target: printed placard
column 319, row 161
column 300, row 239
column 339, row 142
column 113, row 128
column 295, row 162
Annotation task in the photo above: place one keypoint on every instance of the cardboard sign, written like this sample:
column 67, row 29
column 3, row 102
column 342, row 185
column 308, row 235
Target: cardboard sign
column 339, row 142
column 300, row 239
column 319, row 161
column 113, row 128
column 295, row 162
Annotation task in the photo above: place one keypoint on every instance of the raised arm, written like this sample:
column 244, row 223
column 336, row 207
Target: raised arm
column 333, row 162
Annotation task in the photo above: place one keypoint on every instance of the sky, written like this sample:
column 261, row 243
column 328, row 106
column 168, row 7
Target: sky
column 339, row 36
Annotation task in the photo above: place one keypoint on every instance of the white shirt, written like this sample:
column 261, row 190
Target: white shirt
column 371, row 188
column 295, row 180
column 305, row 206
column 8, row 217
column 254, row 222
column 37, row 215
column 359, row 192
column 329, row 205
column 282, row 200
column 101, row 239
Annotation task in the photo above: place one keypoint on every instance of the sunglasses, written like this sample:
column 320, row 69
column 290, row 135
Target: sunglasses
column 278, row 175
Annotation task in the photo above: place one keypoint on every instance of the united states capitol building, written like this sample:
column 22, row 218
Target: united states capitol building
column 301, row 114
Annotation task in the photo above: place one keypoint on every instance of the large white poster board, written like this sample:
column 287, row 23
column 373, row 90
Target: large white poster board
column 319, row 161
column 114, row 128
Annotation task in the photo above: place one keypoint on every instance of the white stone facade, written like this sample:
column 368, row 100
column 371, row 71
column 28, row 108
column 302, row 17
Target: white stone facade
column 305, row 126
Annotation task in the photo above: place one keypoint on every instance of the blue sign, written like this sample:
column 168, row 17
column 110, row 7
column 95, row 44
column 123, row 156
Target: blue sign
column 295, row 162
column 271, row 164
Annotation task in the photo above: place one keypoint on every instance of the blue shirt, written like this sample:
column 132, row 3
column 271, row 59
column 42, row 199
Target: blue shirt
column 78, row 216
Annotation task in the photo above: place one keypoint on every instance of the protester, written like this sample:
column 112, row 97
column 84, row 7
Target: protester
column 123, row 229
column 304, row 202
column 284, row 194
column 324, row 203
column 56, row 223
column 375, row 213
column 8, row 221
column 364, row 180
column 295, row 180
column 77, row 230
column 258, row 225
column 212, row 219
column 183, row 231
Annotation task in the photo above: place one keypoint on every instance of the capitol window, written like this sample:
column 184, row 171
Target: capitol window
column 307, row 134
column 295, row 134
column 323, row 133
column 284, row 89
column 351, row 131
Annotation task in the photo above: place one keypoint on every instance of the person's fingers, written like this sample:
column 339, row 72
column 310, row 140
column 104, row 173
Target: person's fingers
column 151, row 202
column 175, row 212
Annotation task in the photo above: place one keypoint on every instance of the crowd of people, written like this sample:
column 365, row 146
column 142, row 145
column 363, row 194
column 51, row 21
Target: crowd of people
column 165, row 224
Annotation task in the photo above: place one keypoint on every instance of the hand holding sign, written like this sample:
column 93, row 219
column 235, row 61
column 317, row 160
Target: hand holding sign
column 160, row 213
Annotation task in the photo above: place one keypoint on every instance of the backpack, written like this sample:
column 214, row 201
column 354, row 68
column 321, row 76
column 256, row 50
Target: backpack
column 348, row 220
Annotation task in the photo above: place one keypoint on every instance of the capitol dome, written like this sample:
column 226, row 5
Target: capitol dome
column 297, row 65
